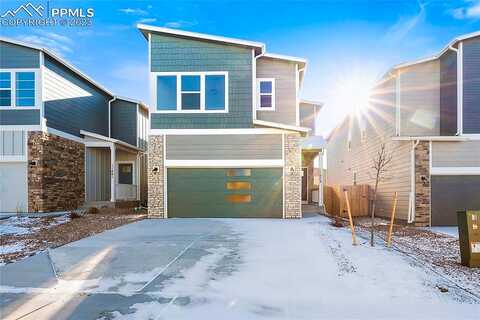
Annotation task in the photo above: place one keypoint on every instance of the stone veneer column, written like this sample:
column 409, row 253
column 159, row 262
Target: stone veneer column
column 156, row 188
column 56, row 173
column 293, row 176
column 422, row 184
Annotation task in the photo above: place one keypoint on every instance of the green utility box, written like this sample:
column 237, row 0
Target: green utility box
column 469, row 236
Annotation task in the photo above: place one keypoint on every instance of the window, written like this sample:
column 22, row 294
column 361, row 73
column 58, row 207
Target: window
column 167, row 93
column 239, row 198
column 192, row 92
column 125, row 173
column 5, row 89
column 25, row 89
column 17, row 89
column 238, row 185
column 266, row 94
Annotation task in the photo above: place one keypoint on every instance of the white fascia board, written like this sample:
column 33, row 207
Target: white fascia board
column 455, row 171
column 315, row 103
column 156, row 132
column 285, row 57
column 195, row 35
column 431, row 138
column 280, row 126
column 100, row 137
column 21, row 128
column 64, row 135
column 263, row 163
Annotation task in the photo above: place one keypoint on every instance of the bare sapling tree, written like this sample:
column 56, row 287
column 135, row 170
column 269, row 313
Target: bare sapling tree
column 381, row 162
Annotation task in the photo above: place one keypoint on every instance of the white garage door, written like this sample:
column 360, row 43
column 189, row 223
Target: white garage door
column 13, row 187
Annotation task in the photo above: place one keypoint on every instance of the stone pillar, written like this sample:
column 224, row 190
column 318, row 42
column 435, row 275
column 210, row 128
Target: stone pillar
column 56, row 173
column 293, row 176
column 156, row 177
column 422, row 184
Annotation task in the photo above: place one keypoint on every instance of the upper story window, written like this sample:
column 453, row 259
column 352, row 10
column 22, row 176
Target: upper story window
column 266, row 94
column 191, row 92
column 17, row 89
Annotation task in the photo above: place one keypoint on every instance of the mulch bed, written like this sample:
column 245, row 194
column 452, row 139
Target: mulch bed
column 46, row 236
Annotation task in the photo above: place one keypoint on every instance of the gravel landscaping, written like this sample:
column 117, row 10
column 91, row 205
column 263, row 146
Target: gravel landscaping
column 24, row 236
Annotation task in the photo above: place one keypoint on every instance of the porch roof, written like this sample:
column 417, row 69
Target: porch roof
column 111, row 140
column 313, row 143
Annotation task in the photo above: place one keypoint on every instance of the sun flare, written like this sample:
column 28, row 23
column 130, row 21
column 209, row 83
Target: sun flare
column 353, row 94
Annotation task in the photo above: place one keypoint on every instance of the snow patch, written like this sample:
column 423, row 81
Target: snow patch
column 12, row 248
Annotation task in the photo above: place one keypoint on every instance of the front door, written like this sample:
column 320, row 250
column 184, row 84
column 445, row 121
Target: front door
column 305, row 185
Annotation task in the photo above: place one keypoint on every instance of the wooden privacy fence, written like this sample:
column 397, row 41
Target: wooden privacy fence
column 335, row 203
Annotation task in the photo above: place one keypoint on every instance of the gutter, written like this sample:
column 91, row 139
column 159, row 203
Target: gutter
column 411, row 207
column 110, row 116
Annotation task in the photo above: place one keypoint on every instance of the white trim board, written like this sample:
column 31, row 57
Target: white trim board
column 280, row 126
column 224, row 163
column 157, row 132
column 455, row 171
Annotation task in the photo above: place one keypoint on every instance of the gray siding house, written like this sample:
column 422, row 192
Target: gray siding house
column 65, row 141
column 427, row 113
column 226, row 137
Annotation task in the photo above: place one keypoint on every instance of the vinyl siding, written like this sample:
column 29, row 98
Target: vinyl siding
column 12, row 143
column 342, row 163
column 124, row 121
column 448, row 94
column 456, row 154
column 19, row 117
column 14, row 56
column 97, row 164
column 471, row 85
column 71, row 103
column 172, row 54
column 420, row 99
column 284, row 73
column 224, row 147
column 142, row 127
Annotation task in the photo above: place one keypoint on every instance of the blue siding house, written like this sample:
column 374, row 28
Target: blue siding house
column 226, row 136
column 65, row 140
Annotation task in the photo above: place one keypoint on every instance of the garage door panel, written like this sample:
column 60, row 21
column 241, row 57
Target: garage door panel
column 451, row 194
column 204, row 193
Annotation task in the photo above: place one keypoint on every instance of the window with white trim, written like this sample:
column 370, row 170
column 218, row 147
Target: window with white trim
column 191, row 92
column 18, row 89
column 266, row 94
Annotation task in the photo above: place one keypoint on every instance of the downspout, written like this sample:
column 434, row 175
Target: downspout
column 411, row 208
column 459, row 89
column 110, row 116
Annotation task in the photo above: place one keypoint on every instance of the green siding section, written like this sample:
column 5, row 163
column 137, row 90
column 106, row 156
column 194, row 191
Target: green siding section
column 172, row 54
column 201, row 193
column 19, row 117
column 124, row 121
column 14, row 56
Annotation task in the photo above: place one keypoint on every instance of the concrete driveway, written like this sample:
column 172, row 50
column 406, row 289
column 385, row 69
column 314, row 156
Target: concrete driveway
column 224, row 269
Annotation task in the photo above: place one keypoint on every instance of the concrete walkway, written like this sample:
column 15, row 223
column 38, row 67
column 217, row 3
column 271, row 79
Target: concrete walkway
column 224, row 269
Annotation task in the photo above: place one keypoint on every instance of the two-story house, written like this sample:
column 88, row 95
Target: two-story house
column 65, row 140
column 226, row 132
column 427, row 112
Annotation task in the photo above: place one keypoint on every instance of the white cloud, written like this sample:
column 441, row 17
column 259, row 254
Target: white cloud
column 405, row 24
column 134, row 11
column 147, row 20
column 180, row 24
column 55, row 42
column 471, row 10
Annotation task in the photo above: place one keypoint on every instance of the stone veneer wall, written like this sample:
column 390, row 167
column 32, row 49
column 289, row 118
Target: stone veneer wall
column 156, row 189
column 56, row 173
column 293, row 178
column 422, row 185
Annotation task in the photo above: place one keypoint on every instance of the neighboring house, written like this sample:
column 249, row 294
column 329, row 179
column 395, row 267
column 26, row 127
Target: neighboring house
column 428, row 114
column 226, row 127
column 64, row 139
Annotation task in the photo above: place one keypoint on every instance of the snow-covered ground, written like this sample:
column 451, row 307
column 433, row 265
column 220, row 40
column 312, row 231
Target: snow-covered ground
column 234, row 269
column 306, row 270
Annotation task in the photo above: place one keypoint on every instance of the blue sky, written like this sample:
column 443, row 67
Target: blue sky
column 341, row 39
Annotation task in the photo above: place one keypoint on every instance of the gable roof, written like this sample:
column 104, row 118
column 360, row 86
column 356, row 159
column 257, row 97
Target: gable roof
column 68, row 66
